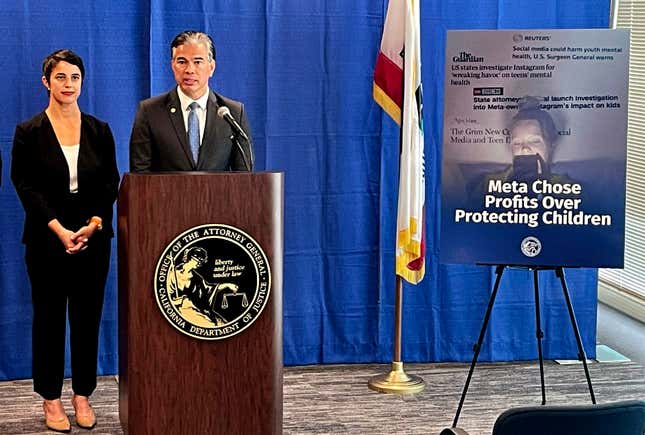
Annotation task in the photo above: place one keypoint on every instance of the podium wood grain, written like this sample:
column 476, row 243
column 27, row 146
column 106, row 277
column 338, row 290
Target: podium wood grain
column 173, row 383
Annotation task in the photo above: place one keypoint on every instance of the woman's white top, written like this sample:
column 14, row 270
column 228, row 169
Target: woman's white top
column 71, row 155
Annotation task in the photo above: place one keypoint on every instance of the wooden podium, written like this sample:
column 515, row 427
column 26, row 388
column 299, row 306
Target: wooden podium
column 170, row 382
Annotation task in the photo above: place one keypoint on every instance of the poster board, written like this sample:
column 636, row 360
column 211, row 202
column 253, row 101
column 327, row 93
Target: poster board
column 534, row 147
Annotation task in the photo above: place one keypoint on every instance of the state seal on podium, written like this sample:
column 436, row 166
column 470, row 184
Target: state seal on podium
column 212, row 281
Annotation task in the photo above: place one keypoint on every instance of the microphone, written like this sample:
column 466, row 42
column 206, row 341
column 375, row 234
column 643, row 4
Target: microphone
column 224, row 113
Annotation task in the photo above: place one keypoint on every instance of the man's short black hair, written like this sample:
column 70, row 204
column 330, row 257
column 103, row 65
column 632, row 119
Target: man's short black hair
column 194, row 37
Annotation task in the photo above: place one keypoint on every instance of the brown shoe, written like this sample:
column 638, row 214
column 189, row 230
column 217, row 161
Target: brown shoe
column 85, row 417
column 55, row 417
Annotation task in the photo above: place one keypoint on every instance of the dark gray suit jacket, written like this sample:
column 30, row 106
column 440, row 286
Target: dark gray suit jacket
column 159, row 142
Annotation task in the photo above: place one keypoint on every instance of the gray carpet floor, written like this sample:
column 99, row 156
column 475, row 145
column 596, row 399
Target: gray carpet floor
column 334, row 399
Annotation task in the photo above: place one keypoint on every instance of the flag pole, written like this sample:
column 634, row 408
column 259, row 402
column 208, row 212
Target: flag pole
column 397, row 381
column 397, row 88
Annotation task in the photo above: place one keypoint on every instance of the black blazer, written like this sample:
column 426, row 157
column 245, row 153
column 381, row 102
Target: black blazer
column 159, row 142
column 41, row 176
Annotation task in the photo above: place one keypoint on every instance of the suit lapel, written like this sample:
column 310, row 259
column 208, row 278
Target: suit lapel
column 211, row 131
column 173, row 108
column 55, row 152
column 84, row 152
column 88, row 153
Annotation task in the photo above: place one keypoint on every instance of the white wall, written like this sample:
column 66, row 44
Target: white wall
column 622, row 333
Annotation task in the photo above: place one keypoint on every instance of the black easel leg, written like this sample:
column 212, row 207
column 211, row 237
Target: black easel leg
column 498, row 271
column 582, row 356
column 538, row 333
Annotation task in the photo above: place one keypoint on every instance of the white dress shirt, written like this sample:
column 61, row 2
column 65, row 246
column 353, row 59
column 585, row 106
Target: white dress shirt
column 71, row 155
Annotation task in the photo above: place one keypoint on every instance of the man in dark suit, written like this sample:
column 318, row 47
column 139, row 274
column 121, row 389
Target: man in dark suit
column 181, row 130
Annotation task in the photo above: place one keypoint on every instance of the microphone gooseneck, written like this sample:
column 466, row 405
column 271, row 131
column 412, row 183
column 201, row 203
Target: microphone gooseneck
column 225, row 113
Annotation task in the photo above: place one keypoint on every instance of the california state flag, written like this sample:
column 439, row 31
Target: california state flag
column 398, row 90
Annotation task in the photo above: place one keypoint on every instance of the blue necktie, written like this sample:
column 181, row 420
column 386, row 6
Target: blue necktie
column 193, row 130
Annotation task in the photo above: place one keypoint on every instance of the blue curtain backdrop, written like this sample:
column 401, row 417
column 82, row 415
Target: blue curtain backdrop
column 304, row 70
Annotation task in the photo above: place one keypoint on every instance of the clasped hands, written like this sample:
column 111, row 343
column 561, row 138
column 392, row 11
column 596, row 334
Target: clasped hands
column 74, row 242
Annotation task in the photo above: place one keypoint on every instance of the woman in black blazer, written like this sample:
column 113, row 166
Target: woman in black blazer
column 64, row 170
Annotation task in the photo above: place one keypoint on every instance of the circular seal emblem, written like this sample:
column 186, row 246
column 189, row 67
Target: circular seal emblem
column 517, row 38
column 531, row 246
column 212, row 281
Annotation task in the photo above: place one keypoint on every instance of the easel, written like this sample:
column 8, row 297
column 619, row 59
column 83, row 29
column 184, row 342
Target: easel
column 499, row 270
